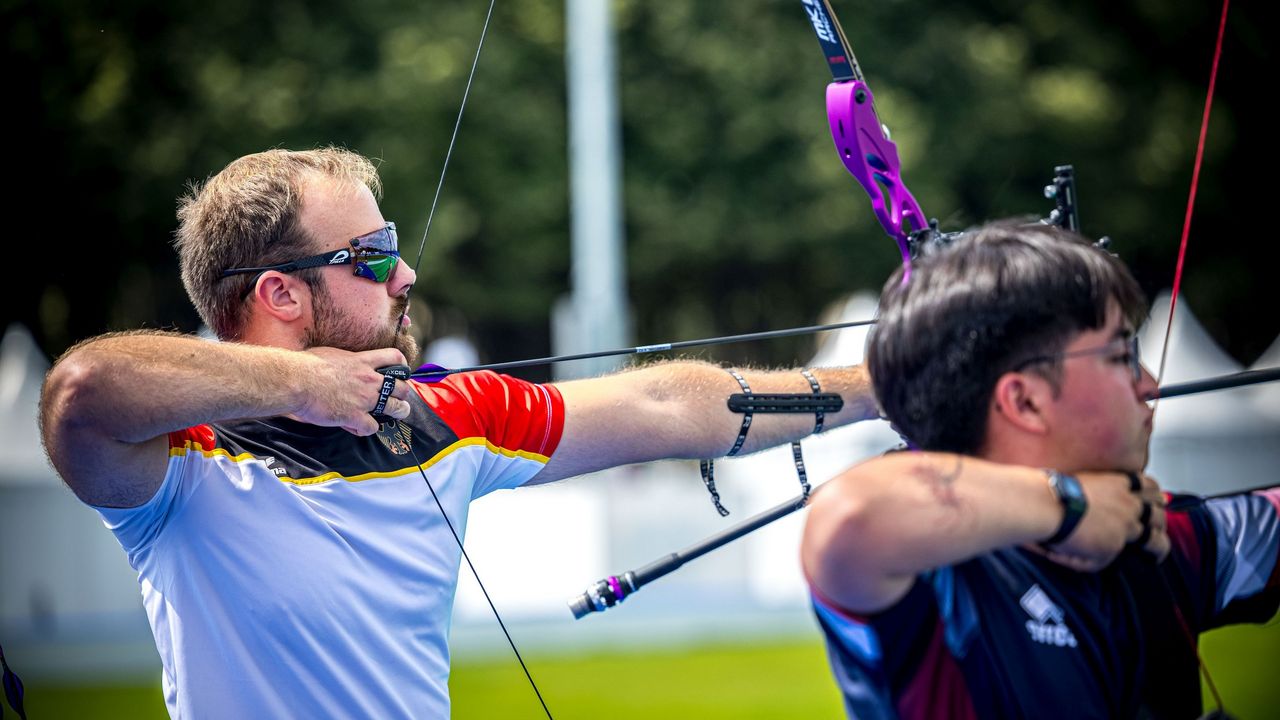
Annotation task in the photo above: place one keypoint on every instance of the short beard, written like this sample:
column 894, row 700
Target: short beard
column 329, row 330
column 401, row 338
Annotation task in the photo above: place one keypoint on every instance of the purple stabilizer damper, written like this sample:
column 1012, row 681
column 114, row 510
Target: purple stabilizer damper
column 872, row 158
column 616, row 587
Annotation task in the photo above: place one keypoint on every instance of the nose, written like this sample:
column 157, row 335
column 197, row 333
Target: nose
column 1146, row 387
column 402, row 278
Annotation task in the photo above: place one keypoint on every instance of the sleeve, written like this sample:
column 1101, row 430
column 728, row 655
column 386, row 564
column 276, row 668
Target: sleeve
column 857, row 661
column 138, row 527
column 919, row 676
column 1231, row 543
column 518, row 422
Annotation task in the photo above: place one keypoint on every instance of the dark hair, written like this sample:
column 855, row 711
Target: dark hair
column 973, row 311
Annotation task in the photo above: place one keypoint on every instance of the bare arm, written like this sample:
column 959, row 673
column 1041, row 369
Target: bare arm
column 678, row 410
column 877, row 526
column 108, row 403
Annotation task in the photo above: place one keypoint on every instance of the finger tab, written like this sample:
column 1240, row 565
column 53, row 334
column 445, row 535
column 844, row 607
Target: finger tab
column 388, row 386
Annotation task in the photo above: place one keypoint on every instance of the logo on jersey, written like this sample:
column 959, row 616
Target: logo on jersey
column 271, row 460
column 1047, row 624
column 396, row 436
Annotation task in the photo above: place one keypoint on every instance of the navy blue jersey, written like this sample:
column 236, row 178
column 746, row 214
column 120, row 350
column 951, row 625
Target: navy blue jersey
column 1011, row 634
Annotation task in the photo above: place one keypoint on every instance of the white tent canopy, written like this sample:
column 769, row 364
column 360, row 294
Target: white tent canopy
column 22, row 369
column 1211, row 442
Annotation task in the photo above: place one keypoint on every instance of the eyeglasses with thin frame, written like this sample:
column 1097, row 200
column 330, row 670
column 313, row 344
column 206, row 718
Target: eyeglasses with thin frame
column 372, row 256
column 1130, row 347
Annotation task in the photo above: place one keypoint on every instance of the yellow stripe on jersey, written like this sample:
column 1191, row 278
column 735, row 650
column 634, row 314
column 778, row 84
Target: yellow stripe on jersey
column 190, row 446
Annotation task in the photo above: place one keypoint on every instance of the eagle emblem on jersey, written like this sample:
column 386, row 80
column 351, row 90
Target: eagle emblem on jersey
column 396, row 436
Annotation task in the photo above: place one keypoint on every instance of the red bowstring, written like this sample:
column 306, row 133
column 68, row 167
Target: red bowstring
column 1195, row 182
column 1173, row 304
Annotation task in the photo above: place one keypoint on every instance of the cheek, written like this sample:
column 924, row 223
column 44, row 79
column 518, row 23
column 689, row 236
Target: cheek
column 1102, row 424
column 1107, row 428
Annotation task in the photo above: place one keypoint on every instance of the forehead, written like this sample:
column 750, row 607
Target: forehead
column 334, row 212
column 1114, row 326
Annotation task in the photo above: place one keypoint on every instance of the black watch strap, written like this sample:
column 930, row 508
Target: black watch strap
column 1074, row 504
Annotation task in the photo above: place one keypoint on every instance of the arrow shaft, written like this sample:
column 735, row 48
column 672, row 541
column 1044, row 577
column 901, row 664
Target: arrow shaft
column 1221, row 382
column 645, row 349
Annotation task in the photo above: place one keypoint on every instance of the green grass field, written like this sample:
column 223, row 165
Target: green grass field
column 777, row 680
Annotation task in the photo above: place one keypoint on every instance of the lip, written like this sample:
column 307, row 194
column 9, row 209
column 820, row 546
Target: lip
column 402, row 316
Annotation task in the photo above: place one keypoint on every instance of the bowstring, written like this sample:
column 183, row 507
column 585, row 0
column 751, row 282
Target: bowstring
column 1191, row 197
column 435, row 200
column 453, row 139
column 1173, row 304
column 458, row 539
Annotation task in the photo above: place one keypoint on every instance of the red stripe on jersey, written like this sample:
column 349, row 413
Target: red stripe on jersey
column 201, row 435
column 1273, row 496
column 938, row 689
column 1183, row 536
column 511, row 413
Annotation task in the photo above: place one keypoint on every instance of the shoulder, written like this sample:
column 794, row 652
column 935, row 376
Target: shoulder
column 483, row 389
column 510, row 412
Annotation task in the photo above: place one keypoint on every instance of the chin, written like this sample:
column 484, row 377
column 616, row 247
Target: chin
column 408, row 346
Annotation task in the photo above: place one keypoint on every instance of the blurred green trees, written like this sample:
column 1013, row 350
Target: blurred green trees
column 738, row 214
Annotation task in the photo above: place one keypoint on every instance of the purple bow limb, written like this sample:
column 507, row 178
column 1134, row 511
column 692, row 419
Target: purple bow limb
column 872, row 158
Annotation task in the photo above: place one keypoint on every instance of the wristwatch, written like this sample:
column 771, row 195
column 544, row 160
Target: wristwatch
column 1071, row 496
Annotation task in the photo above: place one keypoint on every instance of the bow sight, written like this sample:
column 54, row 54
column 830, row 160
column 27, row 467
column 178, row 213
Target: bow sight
column 1065, row 214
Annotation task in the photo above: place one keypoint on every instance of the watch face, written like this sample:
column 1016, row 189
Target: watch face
column 1071, row 497
column 1071, row 491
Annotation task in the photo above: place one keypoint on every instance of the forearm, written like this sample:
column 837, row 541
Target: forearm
column 679, row 410
column 877, row 526
column 852, row 384
column 108, row 403
column 693, row 398
column 137, row 386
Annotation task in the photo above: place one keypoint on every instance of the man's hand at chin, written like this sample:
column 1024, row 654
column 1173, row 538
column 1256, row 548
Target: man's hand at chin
column 344, row 386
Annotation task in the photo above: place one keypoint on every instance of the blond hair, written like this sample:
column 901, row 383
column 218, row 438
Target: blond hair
column 248, row 216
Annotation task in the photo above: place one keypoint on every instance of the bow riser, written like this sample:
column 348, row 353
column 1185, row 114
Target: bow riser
column 872, row 158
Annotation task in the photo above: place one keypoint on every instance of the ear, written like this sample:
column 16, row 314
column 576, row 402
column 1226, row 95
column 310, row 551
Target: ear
column 282, row 297
column 1021, row 400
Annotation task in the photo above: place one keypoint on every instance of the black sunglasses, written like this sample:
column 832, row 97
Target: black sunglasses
column 372, row 256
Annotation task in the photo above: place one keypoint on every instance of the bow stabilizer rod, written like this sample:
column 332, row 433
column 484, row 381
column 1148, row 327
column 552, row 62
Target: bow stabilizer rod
column 610, row 591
